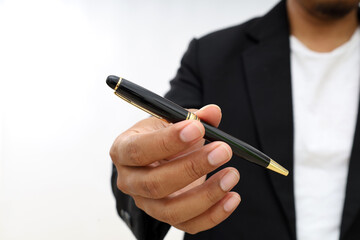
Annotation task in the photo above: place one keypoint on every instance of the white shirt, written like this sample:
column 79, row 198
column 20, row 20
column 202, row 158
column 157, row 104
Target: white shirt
column 325, row 102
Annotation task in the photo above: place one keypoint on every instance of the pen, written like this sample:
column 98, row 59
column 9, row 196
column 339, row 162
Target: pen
column 163, row 108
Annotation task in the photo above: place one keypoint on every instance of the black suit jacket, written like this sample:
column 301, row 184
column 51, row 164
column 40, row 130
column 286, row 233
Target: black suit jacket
column 246, row 71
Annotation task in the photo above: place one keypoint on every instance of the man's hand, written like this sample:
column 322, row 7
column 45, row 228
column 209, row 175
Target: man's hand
column 163, row 167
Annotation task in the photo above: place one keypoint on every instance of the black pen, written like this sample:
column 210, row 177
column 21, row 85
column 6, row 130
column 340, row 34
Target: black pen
column 171, row 112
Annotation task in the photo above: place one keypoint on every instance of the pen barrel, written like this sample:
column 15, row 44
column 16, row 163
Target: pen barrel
column 171, row 112
column 239, row 148
column 151, row 102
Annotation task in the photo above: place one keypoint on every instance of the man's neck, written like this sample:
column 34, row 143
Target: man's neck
column 321, row 35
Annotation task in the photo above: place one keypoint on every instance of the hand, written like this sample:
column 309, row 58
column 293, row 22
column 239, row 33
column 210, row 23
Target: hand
column 163, row 167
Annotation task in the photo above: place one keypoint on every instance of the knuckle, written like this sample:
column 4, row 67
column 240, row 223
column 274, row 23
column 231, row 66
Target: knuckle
column 164, row 145
column 113, row 152
column 132, row 151
column 152, row 188
column 170, row 217
column 115, row 148
column 193, row 170
column 138, row 202
column 211, row 196
column 120, row 183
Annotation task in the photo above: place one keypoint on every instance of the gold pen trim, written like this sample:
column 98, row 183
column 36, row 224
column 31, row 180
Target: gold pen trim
column 274, row 166
column 192, row 116
column 118, row 84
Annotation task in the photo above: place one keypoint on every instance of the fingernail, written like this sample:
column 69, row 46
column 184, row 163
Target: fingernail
column 191, row 132
column 218, row 155
column 231, row 203
column 229, row 180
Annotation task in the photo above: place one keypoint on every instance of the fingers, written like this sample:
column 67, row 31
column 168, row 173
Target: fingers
column 200, row 208
column 141, row 149
column 167, row 178
column 163, row 167
column 151, row 140
column 213, row 216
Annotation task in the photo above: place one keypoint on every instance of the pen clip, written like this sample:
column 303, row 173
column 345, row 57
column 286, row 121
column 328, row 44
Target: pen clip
column 138, row 106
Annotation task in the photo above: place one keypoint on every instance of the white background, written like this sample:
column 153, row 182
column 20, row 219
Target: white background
column 58, row 118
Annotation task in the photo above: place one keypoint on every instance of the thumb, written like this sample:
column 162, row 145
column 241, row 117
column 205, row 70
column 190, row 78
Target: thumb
column 211, row 114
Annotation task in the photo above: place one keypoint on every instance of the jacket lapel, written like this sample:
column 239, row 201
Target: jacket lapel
column 267, row 69
column 352, row 194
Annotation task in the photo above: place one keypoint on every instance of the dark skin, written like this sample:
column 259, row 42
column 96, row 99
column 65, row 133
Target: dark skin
column 164, row 166
column 323, row 25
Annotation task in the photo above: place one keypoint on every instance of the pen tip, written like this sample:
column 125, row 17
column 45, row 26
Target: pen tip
column 274, row 166
column 111, row 81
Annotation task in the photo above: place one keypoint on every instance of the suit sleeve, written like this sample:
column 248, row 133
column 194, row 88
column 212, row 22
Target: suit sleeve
column 186, row 91
column 186, row 87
